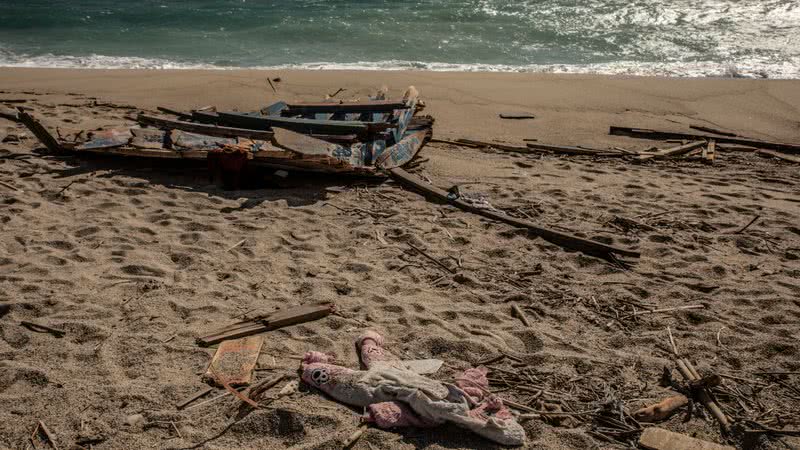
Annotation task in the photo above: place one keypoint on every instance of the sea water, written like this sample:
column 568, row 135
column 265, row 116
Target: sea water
column 751, row 38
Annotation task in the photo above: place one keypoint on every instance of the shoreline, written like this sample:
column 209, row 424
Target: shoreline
column 570, row 109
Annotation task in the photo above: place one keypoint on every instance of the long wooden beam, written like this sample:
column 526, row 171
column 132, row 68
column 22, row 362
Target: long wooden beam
column 377, row 106
column 204, row 129
column 643, row 133
column 305, row 126
column 556, row 237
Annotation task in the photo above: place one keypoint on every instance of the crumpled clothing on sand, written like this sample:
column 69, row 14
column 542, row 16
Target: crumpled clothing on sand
column 397, row 397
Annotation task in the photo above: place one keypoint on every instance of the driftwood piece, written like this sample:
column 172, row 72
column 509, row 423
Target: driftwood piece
column 556, row 237
column 654, row 438
column 235, row 361
column 278, row 319
column 643, row 133
column 495, row 145
column 520, row 315
column 38, row 328
column 197, row 395
column 39, row 131
column 571, row 150
column 661, row 410
column 674, row 151
column 516, row 116
column 712, row 130
column 779, row 155
column 204, row 129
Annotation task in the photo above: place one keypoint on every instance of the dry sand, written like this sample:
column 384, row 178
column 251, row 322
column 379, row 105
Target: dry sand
column 132, row 259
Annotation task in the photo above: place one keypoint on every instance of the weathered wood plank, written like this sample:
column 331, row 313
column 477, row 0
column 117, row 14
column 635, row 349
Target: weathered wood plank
column 373, row 106
column 39, row 131
column 235, row 361
column 642, row 133
column 148, row 138
column 655, row 438
column 205, row 129
column 571, row 150
column 274, row 321
column 674, row 151
column 780, row 155
column 556, row 237
column 306, row 126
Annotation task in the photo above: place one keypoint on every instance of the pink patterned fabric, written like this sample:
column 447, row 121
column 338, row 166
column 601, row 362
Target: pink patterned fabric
column 397, row 397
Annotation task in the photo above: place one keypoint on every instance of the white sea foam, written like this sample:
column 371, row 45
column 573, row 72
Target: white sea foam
column 744, row 69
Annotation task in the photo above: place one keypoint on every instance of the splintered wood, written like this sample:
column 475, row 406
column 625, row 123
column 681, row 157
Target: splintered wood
column 235, row 361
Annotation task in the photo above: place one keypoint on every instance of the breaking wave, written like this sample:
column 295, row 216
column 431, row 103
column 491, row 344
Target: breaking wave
column 754, row 69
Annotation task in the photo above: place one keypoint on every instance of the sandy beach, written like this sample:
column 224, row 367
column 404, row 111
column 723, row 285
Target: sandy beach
column 136, row 259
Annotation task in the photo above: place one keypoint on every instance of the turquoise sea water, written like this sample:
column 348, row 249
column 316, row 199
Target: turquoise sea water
column 654, row 37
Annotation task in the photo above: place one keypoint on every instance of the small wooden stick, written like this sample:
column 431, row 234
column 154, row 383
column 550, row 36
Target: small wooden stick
column 10, row 186
column 228, row 387
column 35, row 327
column 741, row 230
column 236, row 245
column 672, row 343
column 657, row 311
column 434, row 260
column 193, row 397
column 520, row 314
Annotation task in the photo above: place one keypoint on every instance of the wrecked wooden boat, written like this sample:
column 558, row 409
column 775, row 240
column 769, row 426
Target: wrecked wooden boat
column 360, row 138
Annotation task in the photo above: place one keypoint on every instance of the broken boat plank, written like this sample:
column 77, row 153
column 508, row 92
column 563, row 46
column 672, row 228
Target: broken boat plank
column 39, row 131
column 780, row 155
column 274, row 321
column 235, row 361
column 204, row 129
column 674, row 151
column 643, row 133
column 402, row 152
column 306, row 126
column 374, row 106
column 556, row 237
column 655, row 438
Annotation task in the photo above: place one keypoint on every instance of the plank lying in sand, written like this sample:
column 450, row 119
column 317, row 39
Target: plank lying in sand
column 643, row 133
column 274, row 321
column 373, row 106
column 204, row 129
column 779, row 155
column 674, row 151
column 570, row 150
column 556, row 237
